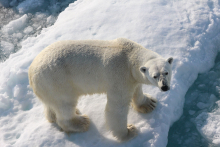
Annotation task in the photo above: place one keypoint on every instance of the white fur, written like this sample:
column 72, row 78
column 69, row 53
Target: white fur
column 66, row 70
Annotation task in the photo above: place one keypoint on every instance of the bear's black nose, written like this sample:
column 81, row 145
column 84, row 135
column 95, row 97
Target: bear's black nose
column 165, row 88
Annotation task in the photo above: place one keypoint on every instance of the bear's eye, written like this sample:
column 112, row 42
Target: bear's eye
column 166, row 73
column 155, row 77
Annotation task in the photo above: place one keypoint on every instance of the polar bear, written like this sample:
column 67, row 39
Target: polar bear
column 66, row 70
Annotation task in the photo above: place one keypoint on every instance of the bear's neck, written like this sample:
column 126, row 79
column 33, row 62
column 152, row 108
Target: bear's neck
column 139, row 57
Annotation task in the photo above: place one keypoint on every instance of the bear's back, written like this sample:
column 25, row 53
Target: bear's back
column 83, row 63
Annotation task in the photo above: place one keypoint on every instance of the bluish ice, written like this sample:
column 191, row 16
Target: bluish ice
column 20, row 19
column 201, row 98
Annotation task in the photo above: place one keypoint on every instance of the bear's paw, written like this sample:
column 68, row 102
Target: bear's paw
column 77, row 124
column 81, row 123
column 132, row 132
column 148, row 105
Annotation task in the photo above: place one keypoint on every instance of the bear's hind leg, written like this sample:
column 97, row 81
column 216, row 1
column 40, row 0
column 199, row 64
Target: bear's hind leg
column 69, row 120
column 50, row 115
column 143, row 103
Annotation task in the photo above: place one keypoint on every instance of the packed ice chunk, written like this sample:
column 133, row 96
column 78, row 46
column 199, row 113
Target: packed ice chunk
column 191, row 112
column 218, row 89
column 26, row 18
column 13, row 3
column 19, row 91
column 15, row 25
column 30, row 5
column 4, row 102
column 212, row 99
column 202, row 86
column 51, row 19
column 28, row 30
column 7, row 47
column 208, row 124
column 201, row 105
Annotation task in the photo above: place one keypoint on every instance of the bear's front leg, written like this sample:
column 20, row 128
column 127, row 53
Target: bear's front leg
column 143, row 103
column 116, row 116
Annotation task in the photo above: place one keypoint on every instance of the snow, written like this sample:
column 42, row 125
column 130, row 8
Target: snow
column 186, row 30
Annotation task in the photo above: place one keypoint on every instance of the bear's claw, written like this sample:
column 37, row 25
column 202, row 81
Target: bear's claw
column 77, row 111
column 149, row 104
column 153, row 101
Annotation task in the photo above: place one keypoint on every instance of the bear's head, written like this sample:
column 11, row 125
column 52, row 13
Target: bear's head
column 158, row 72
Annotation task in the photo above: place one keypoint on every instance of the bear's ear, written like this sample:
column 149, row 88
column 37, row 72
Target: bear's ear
column 143, row 69
column 170, row 60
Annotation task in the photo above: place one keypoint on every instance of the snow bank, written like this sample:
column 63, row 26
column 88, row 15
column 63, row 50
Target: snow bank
column 186, row 30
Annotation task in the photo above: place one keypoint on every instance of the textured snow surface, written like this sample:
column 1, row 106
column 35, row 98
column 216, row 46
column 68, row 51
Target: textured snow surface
column 187, row 30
